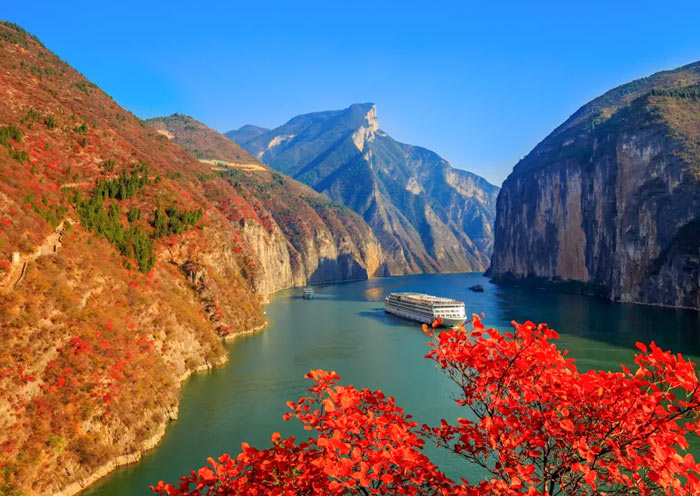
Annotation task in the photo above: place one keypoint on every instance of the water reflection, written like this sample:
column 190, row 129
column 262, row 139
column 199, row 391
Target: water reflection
column 612, row 323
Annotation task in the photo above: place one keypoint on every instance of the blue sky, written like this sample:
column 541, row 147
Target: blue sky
column 479, row 83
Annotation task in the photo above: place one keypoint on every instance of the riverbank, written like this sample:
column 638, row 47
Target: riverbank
column 150, row 443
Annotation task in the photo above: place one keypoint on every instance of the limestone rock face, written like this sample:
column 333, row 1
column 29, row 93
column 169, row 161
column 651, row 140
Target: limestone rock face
column 427, row 215
column 610, row 201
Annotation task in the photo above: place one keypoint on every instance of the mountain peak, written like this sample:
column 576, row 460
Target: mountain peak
column 245, row 133
column 364, row 115
column 430, row 217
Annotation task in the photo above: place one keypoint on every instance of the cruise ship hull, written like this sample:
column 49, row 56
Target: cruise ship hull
column 426, row 309
column 446, row 322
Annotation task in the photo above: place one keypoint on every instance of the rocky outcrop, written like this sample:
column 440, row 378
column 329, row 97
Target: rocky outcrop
column 609, row 203
column 296, row 236
column 428, row 216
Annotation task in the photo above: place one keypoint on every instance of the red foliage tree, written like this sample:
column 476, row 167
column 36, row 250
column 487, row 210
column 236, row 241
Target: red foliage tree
column 536, row 425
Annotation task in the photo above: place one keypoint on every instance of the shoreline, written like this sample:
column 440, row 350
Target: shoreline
column 77, row 487
column 577, row 288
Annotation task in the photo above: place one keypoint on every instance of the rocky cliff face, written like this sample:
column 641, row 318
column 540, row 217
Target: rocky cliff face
column 298, row 236
column 610, row 201
column 427, row 215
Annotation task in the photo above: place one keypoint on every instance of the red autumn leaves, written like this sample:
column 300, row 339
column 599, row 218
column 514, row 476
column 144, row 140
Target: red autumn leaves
column 363, row 442
column 533, row 422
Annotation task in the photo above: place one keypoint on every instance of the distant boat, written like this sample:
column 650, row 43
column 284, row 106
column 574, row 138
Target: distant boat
column 477, row 288
column 308, row 294
column 426, row 308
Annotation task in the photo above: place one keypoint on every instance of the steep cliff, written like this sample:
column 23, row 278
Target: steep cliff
column 301, row 236
column 118, row 275
column 609, row 202
column 427, row 215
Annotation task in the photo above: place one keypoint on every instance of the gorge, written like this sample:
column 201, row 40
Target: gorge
column 302, row 236
column 132, row 250
column 124, row 263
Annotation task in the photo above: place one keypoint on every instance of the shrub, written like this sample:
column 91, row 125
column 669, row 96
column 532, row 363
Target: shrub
column 174, row 221
column 108, row 165
column 689, row 92
column 83, row 86
column 31, row 117
column 133, row 214
column 9, row 132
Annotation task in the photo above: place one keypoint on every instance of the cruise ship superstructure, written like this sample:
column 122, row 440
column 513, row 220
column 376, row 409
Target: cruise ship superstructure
column 426, row 308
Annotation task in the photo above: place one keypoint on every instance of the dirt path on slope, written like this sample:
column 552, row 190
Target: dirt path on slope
column 18, row 269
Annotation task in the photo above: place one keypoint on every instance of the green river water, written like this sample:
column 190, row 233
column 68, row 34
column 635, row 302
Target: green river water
column 345, row 329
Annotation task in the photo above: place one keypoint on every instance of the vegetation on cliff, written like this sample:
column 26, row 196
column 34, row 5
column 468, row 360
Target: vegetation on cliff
column 533, row 423
column 324, row 241
column 118, row 275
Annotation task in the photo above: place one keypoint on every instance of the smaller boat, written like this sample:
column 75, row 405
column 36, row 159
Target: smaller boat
column 308, row 294
column 477, row 288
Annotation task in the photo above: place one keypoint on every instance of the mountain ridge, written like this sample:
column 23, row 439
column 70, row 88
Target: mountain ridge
column 325, row 242
column 396, row 187
column 245, row 132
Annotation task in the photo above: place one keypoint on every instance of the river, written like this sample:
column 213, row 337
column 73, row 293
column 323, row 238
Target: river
column 345, row 329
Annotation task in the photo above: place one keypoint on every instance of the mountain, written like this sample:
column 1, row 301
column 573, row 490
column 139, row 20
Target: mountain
column 245, row 133
column 118, row 277
column 124, row 263
column 427, row 215
column 304, row 237
column 609, row 202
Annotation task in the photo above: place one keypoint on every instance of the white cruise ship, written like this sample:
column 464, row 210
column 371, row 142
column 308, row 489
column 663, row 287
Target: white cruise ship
column 426, row 308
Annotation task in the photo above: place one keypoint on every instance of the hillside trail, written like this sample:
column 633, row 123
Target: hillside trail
column 89, row 182
column 49, row 246
column 18, row 269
